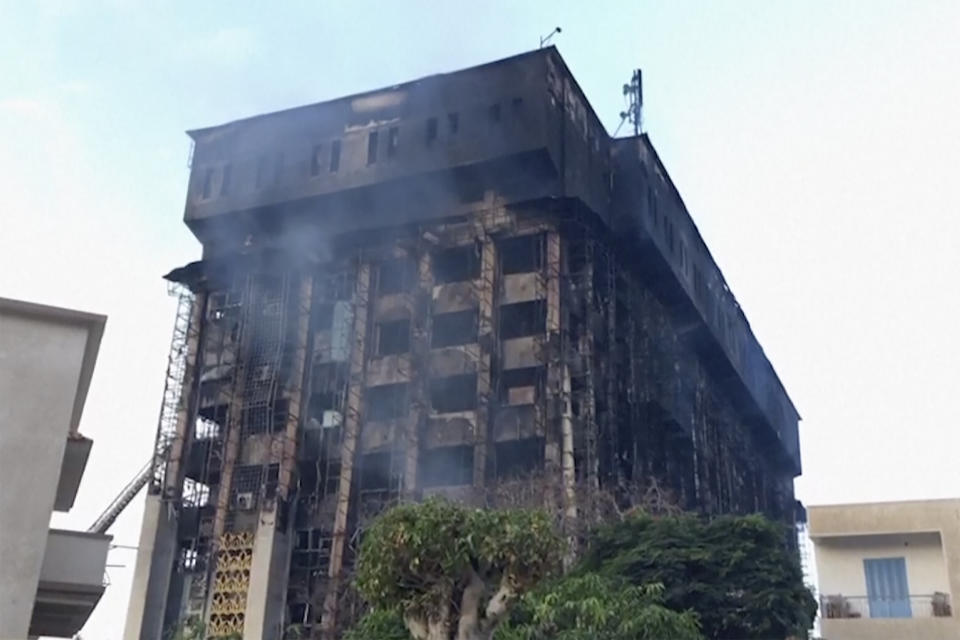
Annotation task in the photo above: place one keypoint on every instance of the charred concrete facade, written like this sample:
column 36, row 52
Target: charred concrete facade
column 435, row 288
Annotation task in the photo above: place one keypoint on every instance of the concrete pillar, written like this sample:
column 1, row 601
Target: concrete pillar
column 151, row 578
column 485, row 339
column 420, row 354
column 266, row 592
column 351, row 436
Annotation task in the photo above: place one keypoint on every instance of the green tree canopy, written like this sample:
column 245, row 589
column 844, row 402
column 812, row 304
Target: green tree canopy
column 575, row 607
column 589, row 606
column 453, row 570
column 736, row 572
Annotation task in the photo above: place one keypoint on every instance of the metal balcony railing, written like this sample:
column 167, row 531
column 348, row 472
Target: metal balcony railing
column 936, row 605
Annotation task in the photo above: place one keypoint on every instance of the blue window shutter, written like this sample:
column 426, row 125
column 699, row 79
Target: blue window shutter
column 887, row 589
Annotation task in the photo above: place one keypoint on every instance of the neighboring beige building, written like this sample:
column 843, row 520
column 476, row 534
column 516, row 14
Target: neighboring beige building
column 888, row 570
column 50, row 579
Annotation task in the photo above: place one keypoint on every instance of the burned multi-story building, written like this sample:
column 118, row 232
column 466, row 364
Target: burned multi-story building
column 434, row 288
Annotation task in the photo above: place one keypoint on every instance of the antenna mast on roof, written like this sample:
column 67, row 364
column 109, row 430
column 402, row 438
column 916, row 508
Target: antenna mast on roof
column 544, row 40
column 633, row 94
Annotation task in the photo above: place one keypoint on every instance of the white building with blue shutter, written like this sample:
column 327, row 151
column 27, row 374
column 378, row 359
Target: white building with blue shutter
column 888, row 570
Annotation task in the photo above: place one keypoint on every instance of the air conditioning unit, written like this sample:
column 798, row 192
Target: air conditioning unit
column 244, row 501
column 332, row 419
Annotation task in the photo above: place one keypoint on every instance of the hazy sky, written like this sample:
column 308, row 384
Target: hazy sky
column 817, row 145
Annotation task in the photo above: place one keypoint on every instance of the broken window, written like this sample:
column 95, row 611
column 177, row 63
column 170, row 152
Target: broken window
column 431, row 131
column 393, row 141
column 225, row 180
column 446, row 466
column 387, row 401
column 393, row 337
column 315, row 160
column 372, row 143
column 454, row 393
column 396, row 276
column 334, row 156
column 521, row 254
column 207, row 184
column 523, row 319
column 456, row 264
column 520, row 386
column 450, row 329
column 518, row 458
column 376, row 472
column 493, row 112
column 453, row 123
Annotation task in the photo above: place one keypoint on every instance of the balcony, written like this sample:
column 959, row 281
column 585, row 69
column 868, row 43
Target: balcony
column 71, row 582
column 918, row 617
column 915, row 606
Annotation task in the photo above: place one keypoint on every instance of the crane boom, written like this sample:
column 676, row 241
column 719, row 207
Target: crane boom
column 120, row 503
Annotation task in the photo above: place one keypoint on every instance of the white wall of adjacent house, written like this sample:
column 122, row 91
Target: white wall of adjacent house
column 840, row 566
column 40, row 363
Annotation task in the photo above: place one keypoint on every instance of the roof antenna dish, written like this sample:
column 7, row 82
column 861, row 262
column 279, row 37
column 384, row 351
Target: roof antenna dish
column 545, row 40
column 633, row 94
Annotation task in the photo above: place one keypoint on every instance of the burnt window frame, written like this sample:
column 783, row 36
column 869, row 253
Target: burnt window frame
column 336, row 147
column 444, row 391
column 206, row 187
column 225, row 179
column 508, row 247
column 455, row 317
column 399, row 403
column 316, row 160
column 398, row 330
column 373, row 147
column 400, row 274
column 428, row 465
column 517, row 327
column 393, row 141
column 443, row 274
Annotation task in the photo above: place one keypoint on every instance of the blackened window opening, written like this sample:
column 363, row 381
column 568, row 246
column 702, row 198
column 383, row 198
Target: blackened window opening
column 446, row 466
column 453, row 123
column 522, row 319
column 521, row 254
column 315, row 160
column 393, row 337
column 431, row 131
column 518, row 458
column 393, row 142
column 454, row 393
column 372, row 144
column 225, row 179
column 451, row 329
column 456, row 264
column 334, row 156
column 396, row 276
column 207, row 184
column 386, row 402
